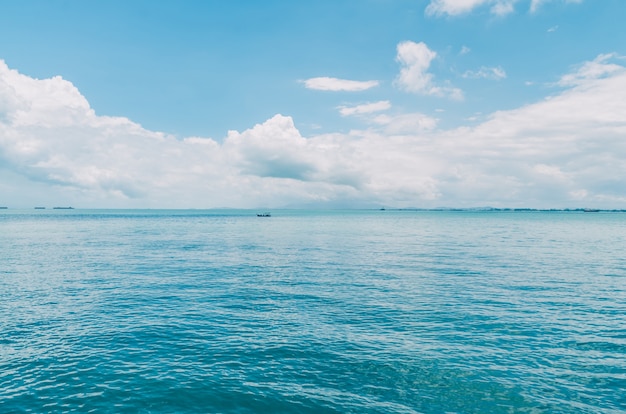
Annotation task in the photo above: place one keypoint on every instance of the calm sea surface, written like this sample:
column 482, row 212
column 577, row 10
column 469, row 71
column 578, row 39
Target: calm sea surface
column 147, row 311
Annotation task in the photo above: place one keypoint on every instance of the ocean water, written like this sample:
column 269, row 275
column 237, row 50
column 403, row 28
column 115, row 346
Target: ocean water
column 147, row 311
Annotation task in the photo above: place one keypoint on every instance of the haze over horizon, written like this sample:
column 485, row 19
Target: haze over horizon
column 421, row 103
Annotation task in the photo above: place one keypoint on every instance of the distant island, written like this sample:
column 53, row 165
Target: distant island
column 585, row 210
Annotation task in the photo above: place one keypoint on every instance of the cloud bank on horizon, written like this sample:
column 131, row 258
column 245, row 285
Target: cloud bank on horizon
column 565, row 150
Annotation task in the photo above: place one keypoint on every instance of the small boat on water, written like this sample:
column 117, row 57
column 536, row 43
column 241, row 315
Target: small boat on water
column 63, row 208
column 264, row 215
column 591, row 210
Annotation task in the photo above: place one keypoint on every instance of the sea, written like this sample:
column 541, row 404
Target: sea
column 355, row 311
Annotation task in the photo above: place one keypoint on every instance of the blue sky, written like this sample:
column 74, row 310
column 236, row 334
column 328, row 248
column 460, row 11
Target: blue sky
column 336, row 78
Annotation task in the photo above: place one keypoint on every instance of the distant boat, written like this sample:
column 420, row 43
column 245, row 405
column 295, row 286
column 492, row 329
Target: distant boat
column 591, row 210
column 264, row 215
column 63, row 208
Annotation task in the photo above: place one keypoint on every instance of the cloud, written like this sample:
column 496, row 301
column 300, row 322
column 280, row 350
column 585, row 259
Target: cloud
column 367, row 108
column 415, row 59
column 272, row 149
column 459, row 7
column 50, row 135
column 558, row 149
column 536, row 4
column 597, row 68
column 391, row 124
column 406, row 123
column 495, row 73
column 566, row 150
column 496, row 7
column 334, row 84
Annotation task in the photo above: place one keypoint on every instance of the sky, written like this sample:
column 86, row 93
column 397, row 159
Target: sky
column 313, row 104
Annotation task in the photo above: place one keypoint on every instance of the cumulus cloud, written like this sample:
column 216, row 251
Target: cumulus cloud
column 50, row 135
column 495, row 73
column 335, row 84
column 565, row 150
column 415, row 59
column 367, row 108
column 272, row 149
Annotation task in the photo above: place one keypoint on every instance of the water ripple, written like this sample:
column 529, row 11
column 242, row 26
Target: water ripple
column 401, row 312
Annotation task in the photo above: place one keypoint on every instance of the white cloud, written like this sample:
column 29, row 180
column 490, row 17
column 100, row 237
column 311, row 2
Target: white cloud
column 334, row 84
column 550, row 171
column 367, row 108
column 495, row 73
column 272, row 149
column 563, row 145
column 496, row 7
column 465, row 50
column 565, row 150
column 458, row 7
column 406, row 123
column 415, row 59
column 50, row 135
column 597, row 68
column 503, row 7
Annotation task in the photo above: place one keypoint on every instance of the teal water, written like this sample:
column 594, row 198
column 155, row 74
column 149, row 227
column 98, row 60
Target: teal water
column 312, row 312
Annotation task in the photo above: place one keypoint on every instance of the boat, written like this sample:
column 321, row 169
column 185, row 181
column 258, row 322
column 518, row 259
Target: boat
column 591, row 210
column 264, row 215
column 63, row 208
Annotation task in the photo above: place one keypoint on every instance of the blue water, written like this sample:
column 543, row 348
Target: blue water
column 146, row 311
